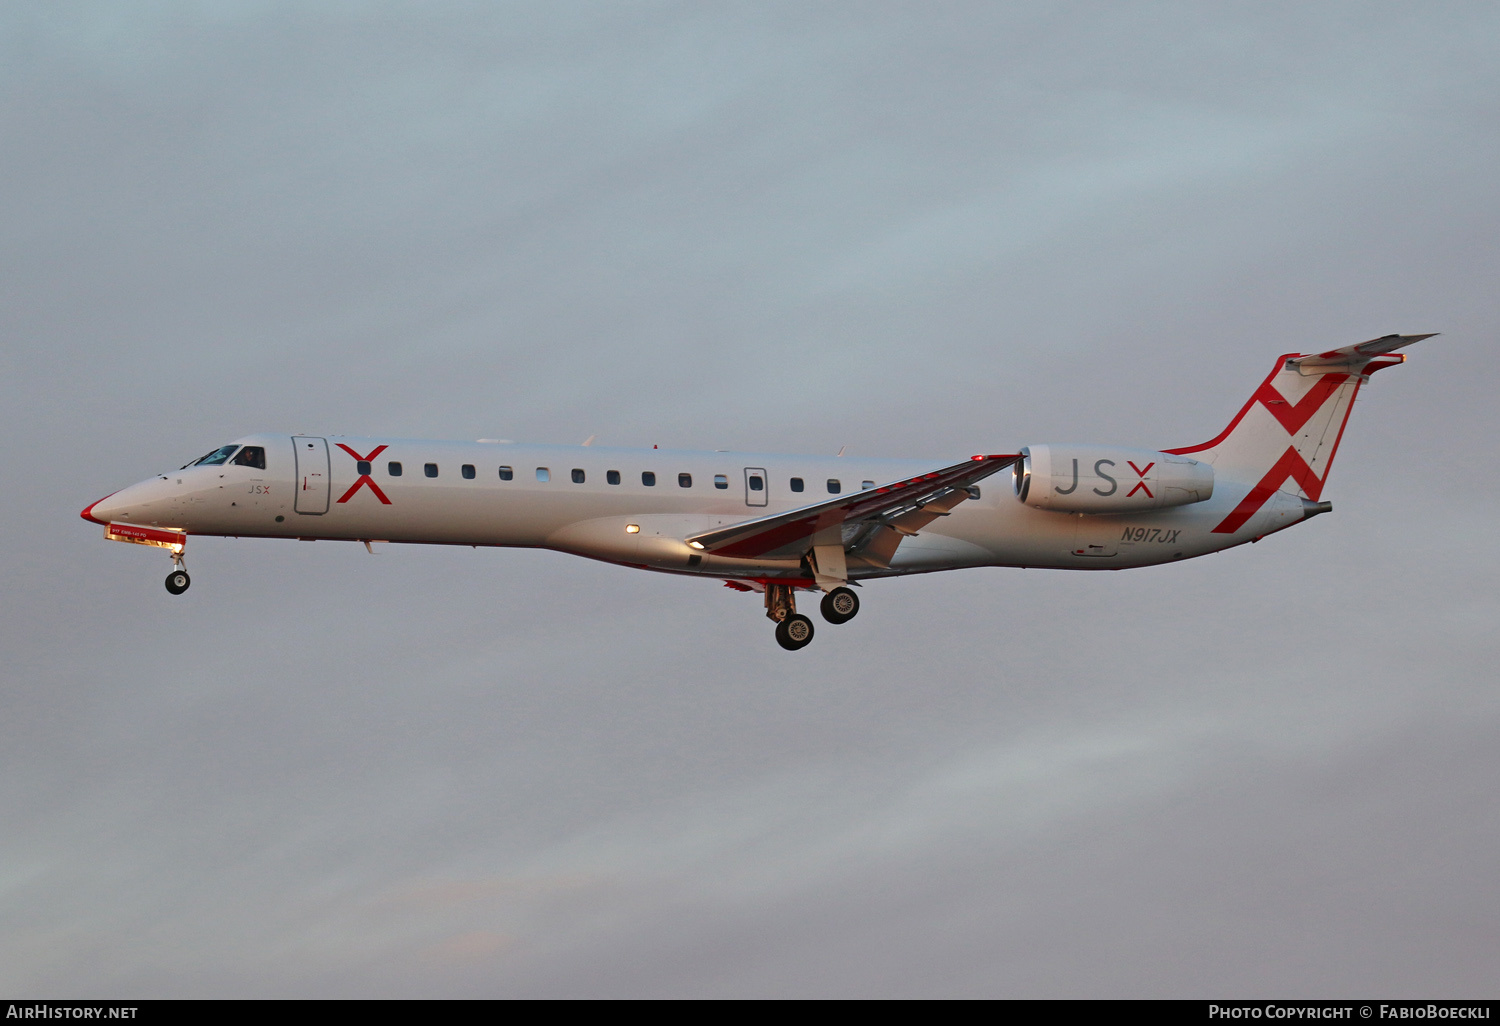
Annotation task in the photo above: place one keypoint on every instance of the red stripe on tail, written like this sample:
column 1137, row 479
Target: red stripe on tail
column 1290, row 465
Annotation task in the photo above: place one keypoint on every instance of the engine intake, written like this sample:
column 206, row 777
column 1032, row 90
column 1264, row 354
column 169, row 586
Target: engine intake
column 1102, row 479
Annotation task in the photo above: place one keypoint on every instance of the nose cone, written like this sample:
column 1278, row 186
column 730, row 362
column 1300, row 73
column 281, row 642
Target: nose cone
column 129, row 505
column 88, row 511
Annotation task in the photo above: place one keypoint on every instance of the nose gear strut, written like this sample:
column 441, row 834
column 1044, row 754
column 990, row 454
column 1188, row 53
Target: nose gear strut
column 178, row 580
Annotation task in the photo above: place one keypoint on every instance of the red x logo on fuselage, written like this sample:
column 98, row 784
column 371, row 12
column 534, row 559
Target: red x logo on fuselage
column 364, row 479
column 1140, row 486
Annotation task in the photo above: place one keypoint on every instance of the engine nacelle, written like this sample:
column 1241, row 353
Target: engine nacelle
column 1104, row 479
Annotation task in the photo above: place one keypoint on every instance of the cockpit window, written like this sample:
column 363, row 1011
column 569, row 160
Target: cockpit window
column 251, row 456
column 215, row 458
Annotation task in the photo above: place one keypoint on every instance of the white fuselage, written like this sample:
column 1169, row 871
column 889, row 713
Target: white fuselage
column 312, row 487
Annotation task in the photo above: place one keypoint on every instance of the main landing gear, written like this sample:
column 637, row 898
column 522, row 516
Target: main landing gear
column 793, row 630
column 840, row 605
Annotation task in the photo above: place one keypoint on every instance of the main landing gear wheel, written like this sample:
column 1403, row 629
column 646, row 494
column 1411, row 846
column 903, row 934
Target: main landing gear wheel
column 794, row 632
column 178, row 581
column 840, row 605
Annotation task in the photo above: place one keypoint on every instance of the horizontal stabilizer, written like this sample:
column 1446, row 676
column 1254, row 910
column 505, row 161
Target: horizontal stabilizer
column 1360, row 353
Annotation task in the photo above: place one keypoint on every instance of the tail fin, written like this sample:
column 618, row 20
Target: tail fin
column 1291, row 427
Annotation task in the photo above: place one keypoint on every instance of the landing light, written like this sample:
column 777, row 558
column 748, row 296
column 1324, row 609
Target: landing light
column 695, row 545
column 174, row 540
column 632, row 528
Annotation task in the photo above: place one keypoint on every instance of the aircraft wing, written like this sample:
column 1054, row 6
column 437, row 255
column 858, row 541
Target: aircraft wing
column 1360, row 353
column 868, row 523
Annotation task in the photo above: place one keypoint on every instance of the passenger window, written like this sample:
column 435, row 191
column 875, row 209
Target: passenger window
column 468, row 471
column 756, row 483
column 866, row 484
column 362, row 467
column 684, row 480
column 612, row 476
column 648, row 479
column 506, row 473
column 720, row 481
column 430, row 469
column 543, row 474
column 393, row 468
column 253, row 456
column 577, row 476
column 796, row 484
column 834, row 486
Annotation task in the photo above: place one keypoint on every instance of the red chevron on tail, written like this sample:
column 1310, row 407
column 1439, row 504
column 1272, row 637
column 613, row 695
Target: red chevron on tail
column 1291, row 465
column 1308, row 398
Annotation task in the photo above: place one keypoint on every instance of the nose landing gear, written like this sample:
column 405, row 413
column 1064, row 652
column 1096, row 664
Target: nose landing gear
column 178, row 580
column 174, row 541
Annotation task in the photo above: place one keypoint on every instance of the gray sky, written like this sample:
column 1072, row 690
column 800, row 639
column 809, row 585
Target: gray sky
column 916, row 230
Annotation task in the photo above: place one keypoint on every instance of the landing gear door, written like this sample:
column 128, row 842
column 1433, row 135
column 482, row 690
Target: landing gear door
column 312, row 474
column 756, row 489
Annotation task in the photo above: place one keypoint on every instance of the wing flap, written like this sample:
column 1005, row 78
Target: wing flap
column 897, row 509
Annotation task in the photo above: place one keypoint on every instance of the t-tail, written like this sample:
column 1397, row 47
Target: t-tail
column 1285, row 437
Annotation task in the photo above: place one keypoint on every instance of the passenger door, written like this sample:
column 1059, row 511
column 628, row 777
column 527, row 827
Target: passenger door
column 312, row 474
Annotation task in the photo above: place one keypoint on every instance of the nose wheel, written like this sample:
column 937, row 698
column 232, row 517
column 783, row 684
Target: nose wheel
column 178, row 580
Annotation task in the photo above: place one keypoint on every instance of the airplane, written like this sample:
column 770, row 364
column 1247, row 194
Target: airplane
column 780, row 524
